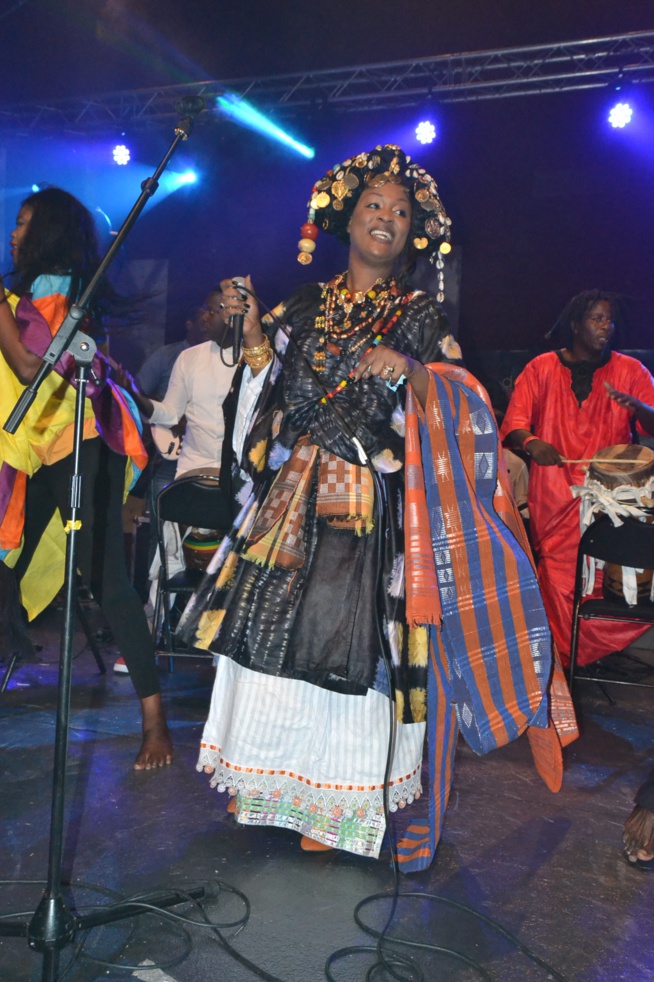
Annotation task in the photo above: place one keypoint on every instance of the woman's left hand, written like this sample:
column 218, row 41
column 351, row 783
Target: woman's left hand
column 384, row 363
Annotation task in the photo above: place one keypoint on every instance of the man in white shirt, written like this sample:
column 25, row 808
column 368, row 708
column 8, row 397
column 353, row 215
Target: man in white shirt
column 200, row 380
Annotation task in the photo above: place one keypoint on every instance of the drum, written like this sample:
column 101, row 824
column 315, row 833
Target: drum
column 623, row 478
column 199, row 544
column 624, row 465
column 198, row 547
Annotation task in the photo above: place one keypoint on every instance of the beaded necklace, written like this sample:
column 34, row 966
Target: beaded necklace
column 360, row 311
column 401, row 304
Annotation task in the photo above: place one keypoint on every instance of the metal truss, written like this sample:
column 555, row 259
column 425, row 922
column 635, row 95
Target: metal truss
column 496, row 74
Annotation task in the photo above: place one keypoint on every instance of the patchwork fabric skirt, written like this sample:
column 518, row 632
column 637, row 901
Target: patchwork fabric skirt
column 302, row 757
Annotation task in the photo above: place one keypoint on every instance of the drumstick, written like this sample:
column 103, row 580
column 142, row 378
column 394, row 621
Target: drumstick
column 594, row 460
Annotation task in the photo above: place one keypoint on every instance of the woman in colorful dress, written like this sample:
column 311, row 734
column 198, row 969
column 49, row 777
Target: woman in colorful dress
column 55, row 253
column 321, row 652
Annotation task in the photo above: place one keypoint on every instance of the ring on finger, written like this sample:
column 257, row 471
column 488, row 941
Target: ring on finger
column 387, row 370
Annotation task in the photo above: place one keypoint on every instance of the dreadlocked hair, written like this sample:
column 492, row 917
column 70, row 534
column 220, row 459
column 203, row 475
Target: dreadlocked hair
column 577, row 308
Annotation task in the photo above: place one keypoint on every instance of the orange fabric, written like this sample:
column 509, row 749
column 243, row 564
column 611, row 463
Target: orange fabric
column 422, row 606
column 11, row 530
column 53, row 308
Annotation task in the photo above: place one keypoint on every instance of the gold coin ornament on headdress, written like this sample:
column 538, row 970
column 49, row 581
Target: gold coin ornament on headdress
column 334, row 197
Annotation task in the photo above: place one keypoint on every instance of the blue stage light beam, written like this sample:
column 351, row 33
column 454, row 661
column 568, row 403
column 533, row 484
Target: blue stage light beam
column 620, row 115
column 171, row 181
column 425, row 131
column 243, row 112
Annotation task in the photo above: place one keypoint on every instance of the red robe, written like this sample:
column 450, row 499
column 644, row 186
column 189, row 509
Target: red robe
column 544, row 403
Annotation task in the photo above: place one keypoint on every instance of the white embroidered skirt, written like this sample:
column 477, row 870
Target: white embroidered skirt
column 308, row 759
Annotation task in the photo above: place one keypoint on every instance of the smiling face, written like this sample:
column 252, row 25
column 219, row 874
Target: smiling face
column 22, row 224
column 593, row 335
column 379, row 227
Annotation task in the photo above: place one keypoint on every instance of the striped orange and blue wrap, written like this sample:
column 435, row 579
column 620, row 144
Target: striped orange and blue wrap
column 471, row 582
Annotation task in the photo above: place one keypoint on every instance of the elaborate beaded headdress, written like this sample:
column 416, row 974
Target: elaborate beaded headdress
column 335, row 195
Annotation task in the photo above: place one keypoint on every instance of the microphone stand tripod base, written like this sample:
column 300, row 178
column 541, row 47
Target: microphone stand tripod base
column 52, row 925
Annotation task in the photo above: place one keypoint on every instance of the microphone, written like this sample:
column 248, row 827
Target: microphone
column 236, row 321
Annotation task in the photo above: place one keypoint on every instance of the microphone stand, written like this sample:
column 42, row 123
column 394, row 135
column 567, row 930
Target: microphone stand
column 53, row 924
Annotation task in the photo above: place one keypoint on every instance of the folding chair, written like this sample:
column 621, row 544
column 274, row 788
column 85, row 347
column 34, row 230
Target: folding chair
column 630, row 544
column 196, row 501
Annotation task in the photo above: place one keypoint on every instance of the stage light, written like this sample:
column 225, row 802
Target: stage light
column 242, row 112
column 173, row 180
column 121, row 154
column 425, row 132
column 620, row 115
column 35, row 188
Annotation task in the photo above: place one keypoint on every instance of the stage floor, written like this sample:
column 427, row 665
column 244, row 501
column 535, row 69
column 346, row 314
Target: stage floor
column 547, row 867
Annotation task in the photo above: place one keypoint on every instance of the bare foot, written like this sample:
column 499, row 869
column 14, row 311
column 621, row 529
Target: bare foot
column 156, row 746
column 638, row 835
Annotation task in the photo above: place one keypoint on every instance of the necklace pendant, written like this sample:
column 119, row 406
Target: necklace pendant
column 333, row 349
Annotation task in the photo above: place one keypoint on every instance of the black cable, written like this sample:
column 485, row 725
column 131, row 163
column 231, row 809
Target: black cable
column 146, row 901
column 141, row 901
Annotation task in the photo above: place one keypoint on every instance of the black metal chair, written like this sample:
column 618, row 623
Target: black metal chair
column 630, row 544
column 196, row 501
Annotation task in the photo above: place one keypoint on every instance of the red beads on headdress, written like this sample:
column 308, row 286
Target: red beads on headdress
column 307, row 243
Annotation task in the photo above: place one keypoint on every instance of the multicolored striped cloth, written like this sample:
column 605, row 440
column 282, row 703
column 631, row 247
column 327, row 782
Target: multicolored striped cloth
column 46, row 436
column 472, row 582
column 345, row 497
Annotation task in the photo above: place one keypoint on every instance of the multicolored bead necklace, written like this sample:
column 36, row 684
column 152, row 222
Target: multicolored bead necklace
column 361, row 310
column 401, row 304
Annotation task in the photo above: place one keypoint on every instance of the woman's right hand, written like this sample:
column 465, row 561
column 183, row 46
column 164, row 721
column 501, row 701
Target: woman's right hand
column 235, row 301
column 543, row 453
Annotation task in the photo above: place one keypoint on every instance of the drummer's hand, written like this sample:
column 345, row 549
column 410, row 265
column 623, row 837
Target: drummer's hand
column 622, row 398
column 543, row 453
column 384, row 363
column 237, row 301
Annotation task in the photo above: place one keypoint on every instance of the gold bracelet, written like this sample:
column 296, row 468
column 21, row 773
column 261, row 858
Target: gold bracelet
column 260, row 361
column 259, row 350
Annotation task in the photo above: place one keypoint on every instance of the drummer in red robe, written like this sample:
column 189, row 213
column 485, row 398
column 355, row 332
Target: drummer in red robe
column 568, row 404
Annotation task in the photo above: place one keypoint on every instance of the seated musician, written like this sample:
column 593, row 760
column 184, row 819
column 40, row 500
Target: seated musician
column 568, row 404
column 201, row 377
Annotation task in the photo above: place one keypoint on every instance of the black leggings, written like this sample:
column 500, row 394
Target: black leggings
column 100, row 549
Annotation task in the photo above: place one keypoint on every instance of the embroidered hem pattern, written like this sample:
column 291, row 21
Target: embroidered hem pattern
column 351, row 819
